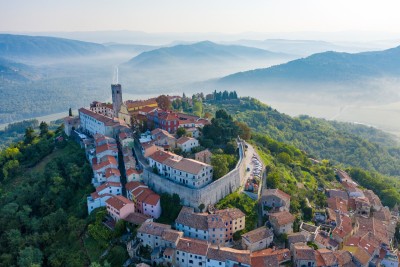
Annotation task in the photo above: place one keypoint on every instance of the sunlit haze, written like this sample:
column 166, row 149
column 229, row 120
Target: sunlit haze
column 376, row 19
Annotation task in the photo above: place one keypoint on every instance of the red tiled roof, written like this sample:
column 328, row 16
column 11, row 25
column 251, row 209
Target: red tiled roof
column 282, row 217
column 137, row 218
column 118, row 202
column 133, row 185
column 193, row 246
column 276, row 192
column 224, row 254
column 106, row 120
column 184, row 139
column 105, row 147
column 131, row 171
column 112, row 172
column 107, row 184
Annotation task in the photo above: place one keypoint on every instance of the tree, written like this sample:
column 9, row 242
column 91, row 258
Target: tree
column 181, row 132
column 29, row 135
column 244, row 130
column 284, row 158
column 273, row 180
column 220, row 166
column 70, row 112
column 163, row 102
column 44, row 128
column 197, row 108
column 30, row 256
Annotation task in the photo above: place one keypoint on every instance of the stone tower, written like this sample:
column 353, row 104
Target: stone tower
column 116, row 92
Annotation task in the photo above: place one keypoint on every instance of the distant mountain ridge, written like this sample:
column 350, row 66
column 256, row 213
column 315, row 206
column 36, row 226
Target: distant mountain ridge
column 325, row 67
column 200, row 52
column 26, row 47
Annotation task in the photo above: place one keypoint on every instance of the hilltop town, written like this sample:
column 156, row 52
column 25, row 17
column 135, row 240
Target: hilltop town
column 143, row 150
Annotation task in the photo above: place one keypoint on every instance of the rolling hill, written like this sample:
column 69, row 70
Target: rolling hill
column 24, row 47
column 202, row 52
column 325, row 67
column 11, row 71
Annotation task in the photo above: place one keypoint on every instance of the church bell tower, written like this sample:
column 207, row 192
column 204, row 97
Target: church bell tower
column 116, row 92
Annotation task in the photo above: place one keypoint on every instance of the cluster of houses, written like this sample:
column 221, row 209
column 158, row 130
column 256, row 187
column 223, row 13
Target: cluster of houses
column 157, row 147
column 354, row 226
column 141, row 203
column 204, row 239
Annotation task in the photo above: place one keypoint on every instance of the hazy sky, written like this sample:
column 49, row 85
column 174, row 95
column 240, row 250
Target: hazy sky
column 225, row 16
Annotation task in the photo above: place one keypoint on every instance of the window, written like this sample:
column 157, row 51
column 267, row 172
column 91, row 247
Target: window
column 190, row 261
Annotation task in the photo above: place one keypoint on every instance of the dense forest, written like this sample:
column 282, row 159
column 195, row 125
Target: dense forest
column 44, row 182
column 341, row 143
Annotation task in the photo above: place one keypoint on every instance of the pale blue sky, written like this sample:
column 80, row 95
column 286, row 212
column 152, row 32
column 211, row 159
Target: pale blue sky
column 225, row 16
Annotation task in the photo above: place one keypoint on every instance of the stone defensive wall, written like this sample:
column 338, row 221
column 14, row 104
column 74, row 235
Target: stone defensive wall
column 210, row 194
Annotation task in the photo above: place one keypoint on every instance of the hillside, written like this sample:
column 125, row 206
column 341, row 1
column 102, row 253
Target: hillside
column 325, row 67
column 11, row 71
column 341, row 143
column 202, row 52
column 34, row 47
column 297, row 47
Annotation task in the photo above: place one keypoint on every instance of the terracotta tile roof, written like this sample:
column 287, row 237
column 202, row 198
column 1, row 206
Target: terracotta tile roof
column 112, row 172
column 186, row 165
column 152, row 228
column 331, row 214
column 171, row 235
column 147, row 109
column 161, row 156
column 373, row 198
column 193, row 246
column 106, row 120
column 194, row 220
column 95, row 195
column 344, row 258
column 258, row 234
column 215, row 221
column 131, row 171
column 343, row 226
column 343, row 175
column 106, row 185
column 303, row 252
column 264, row 261
column 378, row 228
column 169, row 252
column 105, row 147
column 337, row 204
column 145, row 195
column 328, row 257
column 160, row 133
column 297, row 238
column 231, row 213
column 224, row 254
column 276, row 192
column 325, row 240
column 282, row 218
column 118, row 202
column 281, row 255
column 184, row 139
column 383, row 214
column 338, row 194
column 137, row 218
column 362, row 256
column 133, row 185
column 124, row 135
column 110, row 159
column 103, row 163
